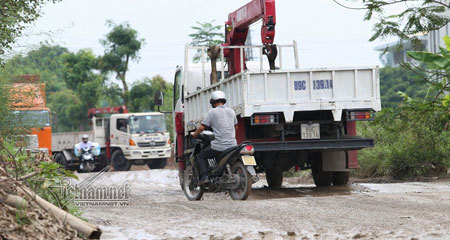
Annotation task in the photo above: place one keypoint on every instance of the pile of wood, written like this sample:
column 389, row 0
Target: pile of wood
column 25, row 215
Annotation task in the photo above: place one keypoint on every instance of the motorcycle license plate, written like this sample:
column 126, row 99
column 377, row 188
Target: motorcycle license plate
column 248, row 160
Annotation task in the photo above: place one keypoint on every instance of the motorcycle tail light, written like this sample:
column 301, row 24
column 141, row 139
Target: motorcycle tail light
column 131, row 142
column 248, row 150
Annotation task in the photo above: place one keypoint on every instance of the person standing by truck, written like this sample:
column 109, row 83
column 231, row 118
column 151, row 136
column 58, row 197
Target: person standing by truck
column 223, row 122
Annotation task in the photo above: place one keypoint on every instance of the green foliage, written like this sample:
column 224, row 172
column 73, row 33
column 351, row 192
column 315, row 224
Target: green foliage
column 6, row 121
column 45, row 61
column 121, row 45
column 411, row 19
column 206, row 34
column 395, row 79
column 15, row 17
column 413, row 139
column 69, row 111
column 47, row 175
column 84, row 87
column 142, row 97
column 421, row 148
column 143, row 91
column 112, row 95
column 80, row 77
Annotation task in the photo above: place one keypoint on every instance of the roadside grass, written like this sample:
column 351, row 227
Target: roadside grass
column 407, row 145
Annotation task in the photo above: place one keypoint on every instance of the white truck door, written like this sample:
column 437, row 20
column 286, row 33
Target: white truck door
column 119, row 131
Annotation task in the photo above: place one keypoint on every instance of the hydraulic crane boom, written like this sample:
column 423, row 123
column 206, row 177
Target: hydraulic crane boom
column 236, row 30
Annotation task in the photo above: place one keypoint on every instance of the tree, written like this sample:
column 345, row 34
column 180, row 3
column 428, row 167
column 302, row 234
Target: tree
column 46, row 61
column 206, row 34
column 142, row 93
column 395, row 79
column 80, row 77
column 413, row 138
column 69, row 111
column 5, row 113
column 15, row 17
column 112, row 95
column 413, row 17
column 121, row 46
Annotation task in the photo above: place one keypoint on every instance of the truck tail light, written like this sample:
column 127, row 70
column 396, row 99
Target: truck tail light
column 266, row 119
column 360, row 116
column 247, row 150
column 131, row 142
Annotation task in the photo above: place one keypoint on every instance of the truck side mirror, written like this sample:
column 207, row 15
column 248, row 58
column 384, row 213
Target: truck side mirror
column 159, row 99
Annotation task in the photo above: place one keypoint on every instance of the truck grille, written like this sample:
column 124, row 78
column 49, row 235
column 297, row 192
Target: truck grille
column 152, row 144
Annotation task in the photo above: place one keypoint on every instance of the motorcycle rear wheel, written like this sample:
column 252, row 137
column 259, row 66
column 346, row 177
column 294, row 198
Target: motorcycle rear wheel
column 245, row 187
column 191, row 189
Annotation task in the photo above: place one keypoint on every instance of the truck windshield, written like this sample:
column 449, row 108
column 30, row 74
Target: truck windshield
column 147, row 124
column 33, row 118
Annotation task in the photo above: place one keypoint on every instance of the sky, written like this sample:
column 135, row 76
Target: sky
column 327, row 34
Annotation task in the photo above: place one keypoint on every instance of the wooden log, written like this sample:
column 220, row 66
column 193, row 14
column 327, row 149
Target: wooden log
column 15, row 201
column 29, row 175
column 84, row 228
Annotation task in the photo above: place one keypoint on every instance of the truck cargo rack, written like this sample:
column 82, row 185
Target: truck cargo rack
column 323, row 144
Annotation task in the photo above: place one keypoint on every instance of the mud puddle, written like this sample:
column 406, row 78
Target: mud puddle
column 289, row 191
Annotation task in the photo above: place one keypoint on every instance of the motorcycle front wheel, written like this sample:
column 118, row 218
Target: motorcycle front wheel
column 245, row 186
column 191, row 189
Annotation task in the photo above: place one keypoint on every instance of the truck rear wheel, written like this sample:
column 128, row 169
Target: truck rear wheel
column 119, row 162
column 274, row 178
column 321, row 178
column 157, row 163
column 341, row 178
column 61, row 159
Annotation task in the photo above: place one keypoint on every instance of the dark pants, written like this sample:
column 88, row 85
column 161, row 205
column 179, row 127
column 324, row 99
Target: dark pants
column 202, row 160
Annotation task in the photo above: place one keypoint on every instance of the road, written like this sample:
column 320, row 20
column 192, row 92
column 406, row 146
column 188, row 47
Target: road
column 159, row 210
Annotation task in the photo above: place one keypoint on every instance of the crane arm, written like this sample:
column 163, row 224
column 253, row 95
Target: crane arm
column 240, row 20
column 237, row 26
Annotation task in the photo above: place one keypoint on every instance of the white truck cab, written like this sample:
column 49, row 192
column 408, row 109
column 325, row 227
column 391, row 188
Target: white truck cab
column 125, row 139
column 140, row 137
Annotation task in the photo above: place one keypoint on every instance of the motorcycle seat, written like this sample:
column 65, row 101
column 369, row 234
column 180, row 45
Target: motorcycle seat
column 226, row 151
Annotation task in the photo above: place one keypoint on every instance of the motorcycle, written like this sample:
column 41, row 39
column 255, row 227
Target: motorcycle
column 87, row 156
column 232, row 170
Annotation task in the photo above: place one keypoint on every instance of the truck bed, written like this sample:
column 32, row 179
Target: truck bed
column 288, row 91
column 67, row 140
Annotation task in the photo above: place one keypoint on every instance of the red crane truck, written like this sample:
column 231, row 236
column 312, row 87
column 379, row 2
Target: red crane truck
column 293, row 117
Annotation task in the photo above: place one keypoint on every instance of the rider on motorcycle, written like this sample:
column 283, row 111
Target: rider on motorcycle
column 223, row 122
column 85, row 143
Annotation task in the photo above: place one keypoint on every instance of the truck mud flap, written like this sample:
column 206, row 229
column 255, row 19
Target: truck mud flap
column 323, row 144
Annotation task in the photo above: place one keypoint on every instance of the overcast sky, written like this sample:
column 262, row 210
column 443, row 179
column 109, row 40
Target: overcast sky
column 327, row 34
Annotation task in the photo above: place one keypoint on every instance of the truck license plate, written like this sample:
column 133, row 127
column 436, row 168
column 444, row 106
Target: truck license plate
column 248, row 160
column 310, row 131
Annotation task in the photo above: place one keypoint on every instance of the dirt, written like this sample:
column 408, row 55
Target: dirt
column 299, row 210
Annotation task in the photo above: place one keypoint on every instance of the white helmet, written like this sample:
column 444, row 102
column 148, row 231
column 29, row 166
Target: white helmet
column 216, row 96
column 85, row 136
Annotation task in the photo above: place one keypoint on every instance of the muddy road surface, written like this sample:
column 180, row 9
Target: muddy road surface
column 159, row 210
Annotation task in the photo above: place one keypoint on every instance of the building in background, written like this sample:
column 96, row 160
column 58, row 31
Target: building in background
column 394, row 53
